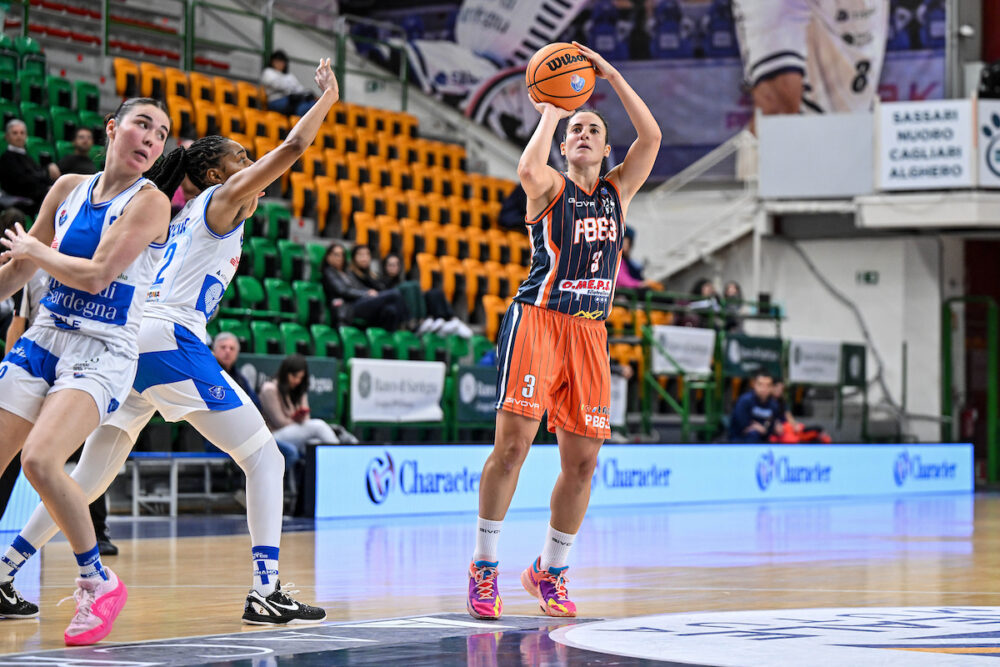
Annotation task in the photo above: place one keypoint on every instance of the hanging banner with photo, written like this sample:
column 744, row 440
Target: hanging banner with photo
column 854, row 373
column 259, row 368
column 814, row 361
column 391, row 391
column 690, row 348
column 744, row 355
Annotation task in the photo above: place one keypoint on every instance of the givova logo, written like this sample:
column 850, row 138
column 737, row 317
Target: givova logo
column 379, row 477
column 773, row 469
column 910, row 466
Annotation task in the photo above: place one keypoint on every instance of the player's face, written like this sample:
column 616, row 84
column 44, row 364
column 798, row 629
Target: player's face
column 137, row 139
column 234, row 160
column 586, row 139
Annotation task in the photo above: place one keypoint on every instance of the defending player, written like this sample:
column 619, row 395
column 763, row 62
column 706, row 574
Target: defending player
column 100, row 238
column 552, row 347
column 817, row 55
column 178, row 374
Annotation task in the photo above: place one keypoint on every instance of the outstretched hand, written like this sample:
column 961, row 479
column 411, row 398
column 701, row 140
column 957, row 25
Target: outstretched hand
column 560, row 113
column 602, row 67
column 325, row 78
column 18, row 243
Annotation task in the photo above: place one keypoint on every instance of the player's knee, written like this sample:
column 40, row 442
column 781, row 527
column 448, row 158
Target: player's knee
column 582, row 469
column 511, row 454
column 38, row 468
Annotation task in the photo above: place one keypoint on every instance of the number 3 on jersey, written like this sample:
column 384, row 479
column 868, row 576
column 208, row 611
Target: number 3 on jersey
column 529, row 390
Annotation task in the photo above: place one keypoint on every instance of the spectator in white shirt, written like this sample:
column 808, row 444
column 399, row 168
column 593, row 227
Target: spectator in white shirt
column 285, row 93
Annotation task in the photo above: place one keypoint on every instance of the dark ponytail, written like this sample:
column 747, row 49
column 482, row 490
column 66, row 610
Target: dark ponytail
column 169, row 171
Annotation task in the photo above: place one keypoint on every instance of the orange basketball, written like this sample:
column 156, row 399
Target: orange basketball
column 561, row 75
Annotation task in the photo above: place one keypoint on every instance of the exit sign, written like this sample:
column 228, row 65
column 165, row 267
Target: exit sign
column 866, row 277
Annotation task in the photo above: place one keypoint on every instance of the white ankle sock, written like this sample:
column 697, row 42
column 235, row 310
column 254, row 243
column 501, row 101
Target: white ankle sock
column 555, row 553
column 487, row 539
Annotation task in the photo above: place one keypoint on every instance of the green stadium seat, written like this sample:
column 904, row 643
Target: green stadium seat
column 63, row 148
column 32, row 58
column 480, row 346
column 9, row 111
column 250, row 295
column 354, row 342
column 380, row 343
column 41, row 151
column 88, row 97
column 64, row 122
column 272, row 220
column 32, row 89
column 25, row 45
column 97, row 154
column 293, row 258
column 296, row 339
column 310, row 303
column 60, row 93
column 38, row 119
column 326, row 341
column 408, row 345
column 316, row 252
column 266, row 337
column 238, row 328
column 449, row 349
column 265, row 257
column 8, row 86
column 95, row 122
column 280, row 298
column 9, row 60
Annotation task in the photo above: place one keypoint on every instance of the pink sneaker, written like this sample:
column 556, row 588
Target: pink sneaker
column 484, row 600
column 549, row 587
column 98, row 603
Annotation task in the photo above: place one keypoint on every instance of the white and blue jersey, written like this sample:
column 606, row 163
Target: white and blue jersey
column 79, row 340
column 177, row 373
column 113, row 314
column 196, row 269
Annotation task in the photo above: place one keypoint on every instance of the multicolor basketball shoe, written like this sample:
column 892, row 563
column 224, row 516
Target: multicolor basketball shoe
column 549, row 587
column 484, row 600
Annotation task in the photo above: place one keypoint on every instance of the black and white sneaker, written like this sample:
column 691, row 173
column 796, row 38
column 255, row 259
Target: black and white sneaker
column 278, row 608
column 12, row 605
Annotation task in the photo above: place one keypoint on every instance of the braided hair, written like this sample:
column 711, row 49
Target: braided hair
column 193, row 162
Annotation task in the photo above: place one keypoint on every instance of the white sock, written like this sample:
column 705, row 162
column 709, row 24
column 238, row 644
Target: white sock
column 487, row 539
column 555, row 553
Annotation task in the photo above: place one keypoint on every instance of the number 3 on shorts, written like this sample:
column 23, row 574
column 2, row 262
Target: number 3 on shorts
column 528, row 391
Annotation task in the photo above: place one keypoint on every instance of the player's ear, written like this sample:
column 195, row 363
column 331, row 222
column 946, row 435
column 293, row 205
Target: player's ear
column 607, row 149
column 562, row 148
column 214, row 176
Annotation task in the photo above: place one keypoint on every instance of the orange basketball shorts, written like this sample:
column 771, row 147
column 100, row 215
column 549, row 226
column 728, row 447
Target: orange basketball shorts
column 550, row 361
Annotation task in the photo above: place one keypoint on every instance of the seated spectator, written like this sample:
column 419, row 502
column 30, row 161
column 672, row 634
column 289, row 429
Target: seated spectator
column 79, row 162
column 787, row 429
column 732, row 306
column 285, row 406
column 440, row 316
column 513, row 210
column 630, row 272
column 704, row 307
column 20, row 175
column 226, row 348
column 285, row 93
column 754, row 414
column 354, row 295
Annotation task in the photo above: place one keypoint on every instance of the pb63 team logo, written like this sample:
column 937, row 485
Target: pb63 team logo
column 379, row 477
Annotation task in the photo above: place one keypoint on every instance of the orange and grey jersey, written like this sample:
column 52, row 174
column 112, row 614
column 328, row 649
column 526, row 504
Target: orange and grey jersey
column 576, row 247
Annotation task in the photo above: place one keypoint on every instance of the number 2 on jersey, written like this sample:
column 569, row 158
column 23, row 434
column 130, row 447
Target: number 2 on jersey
column 168, row 257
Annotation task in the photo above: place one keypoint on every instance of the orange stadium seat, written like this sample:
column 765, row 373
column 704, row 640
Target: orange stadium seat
column 477, row 245
column 475, row 282
column 451, row 274
column 152, row 82
column 515, row 276
column 381, row 120
column 262, row 146
column 181, row 116
column 244, row 141
column 256, row 122
column 413, row 241
column 379, row 171
column 206, row 118
column 496, row 279
column 499, row 247
column 520, row 248
column 202, row 87
column 494, row 307
column 390, row 235
column 435, row 239
column 126, row 77
column 336, row 164
column 225, row 91
column 176, row 82
column 367, row 142
column 231, row 120
column 303, row 195
column 324, row 137
column 620, row 320
column 429, row 269
column 363, row 229
column 250, row 96
column 454, row 157
column 373, row 199
column 400, row 175
column 327, row 202
column 357, row 168
column 350, row 201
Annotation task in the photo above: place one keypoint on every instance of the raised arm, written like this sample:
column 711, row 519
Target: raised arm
column 638, row 163
column 541, row 182
column 247, row 183
column 144, row 220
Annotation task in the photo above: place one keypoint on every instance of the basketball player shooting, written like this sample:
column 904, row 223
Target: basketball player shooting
column 552, row 345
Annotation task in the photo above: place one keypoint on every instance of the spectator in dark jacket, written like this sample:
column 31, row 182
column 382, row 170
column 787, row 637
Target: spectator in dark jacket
column 20, row 175
column 754, row 414
column 355, row 301
column 79, row 162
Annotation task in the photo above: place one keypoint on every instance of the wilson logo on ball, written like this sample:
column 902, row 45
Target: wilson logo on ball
column 568, row 59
